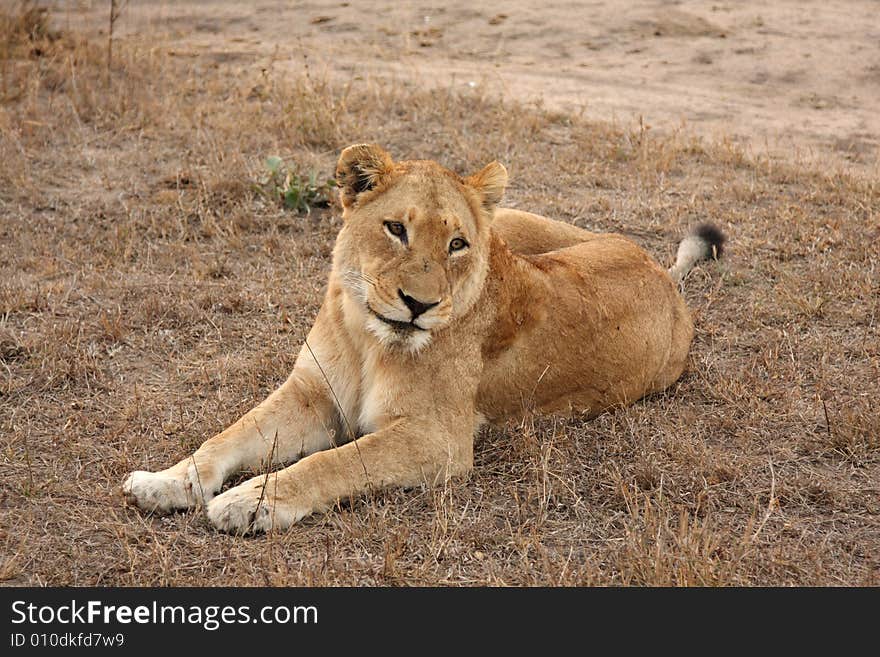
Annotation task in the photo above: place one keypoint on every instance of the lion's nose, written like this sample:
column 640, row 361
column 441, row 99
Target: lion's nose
column 415, row 306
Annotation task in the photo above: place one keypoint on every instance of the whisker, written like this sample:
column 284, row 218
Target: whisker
column 358, row 283
column 353, row 276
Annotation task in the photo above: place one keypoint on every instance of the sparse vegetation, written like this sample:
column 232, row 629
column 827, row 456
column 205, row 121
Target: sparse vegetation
column 147, row 299
column 293, row 190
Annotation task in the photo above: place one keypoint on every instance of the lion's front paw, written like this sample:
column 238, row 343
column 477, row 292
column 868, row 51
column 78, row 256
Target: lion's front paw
column 156, row 491
column 248, row 509
column 241, row 510
column 167, row 491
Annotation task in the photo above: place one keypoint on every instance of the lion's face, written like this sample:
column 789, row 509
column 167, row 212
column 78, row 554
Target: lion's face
column 413, row 253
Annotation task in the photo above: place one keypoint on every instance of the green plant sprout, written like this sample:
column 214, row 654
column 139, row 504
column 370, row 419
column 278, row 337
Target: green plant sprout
column 293, row 190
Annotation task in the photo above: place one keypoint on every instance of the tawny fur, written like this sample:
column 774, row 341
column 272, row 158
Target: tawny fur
column 532, row 315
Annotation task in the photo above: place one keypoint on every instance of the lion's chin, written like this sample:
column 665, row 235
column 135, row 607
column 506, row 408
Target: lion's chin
column 398, row 335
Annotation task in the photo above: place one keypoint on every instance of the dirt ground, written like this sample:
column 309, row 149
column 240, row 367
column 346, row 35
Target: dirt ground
column 790, row 78
column 151, row 290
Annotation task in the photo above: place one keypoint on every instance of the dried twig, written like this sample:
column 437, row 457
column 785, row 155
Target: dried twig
column 199, row 481
column 116, row 7
column 771, row 503
column 269, row 463
column 351, row 434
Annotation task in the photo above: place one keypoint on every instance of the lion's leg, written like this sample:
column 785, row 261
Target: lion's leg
column 298, row 419
column 406, row 453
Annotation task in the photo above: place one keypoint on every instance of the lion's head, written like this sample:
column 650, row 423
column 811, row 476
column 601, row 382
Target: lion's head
column 413, row 252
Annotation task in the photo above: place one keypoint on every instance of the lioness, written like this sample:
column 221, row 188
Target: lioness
column 441, row 313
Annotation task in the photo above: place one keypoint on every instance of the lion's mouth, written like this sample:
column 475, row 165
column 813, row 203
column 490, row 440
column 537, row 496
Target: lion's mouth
column 396, row 324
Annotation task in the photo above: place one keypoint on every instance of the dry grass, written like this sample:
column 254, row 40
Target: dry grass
column 148, row 297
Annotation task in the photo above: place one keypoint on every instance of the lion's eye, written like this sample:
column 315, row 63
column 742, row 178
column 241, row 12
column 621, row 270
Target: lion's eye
column 457, row 244
column 396, row 229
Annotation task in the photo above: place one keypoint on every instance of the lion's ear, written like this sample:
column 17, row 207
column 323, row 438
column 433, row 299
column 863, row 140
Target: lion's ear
column 359, row 169
column 490, row 182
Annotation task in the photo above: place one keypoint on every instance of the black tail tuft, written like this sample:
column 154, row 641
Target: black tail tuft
column 714, row 238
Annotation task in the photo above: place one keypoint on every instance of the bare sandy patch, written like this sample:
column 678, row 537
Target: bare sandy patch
column 785, row 78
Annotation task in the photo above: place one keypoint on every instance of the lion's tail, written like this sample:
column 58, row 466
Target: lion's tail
column 705, row 241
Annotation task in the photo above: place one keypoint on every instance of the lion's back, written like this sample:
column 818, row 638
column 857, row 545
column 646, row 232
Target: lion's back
column 596, row 324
